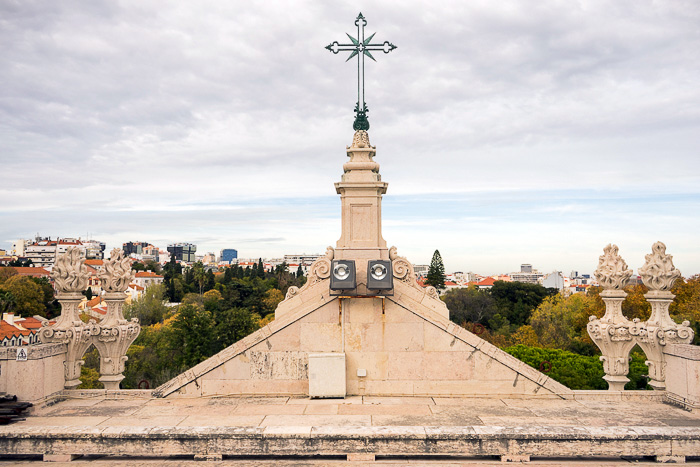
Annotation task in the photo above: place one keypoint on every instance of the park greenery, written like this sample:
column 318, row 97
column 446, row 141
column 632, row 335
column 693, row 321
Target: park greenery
column 26, row 296
column 548, row 331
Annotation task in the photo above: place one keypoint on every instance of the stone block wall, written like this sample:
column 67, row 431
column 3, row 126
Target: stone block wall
column 36, row 379
column 404, row 347
column 683, row 375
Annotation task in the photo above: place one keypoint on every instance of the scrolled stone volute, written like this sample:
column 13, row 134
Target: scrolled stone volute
column 612, row 272
column 319, row 270
column 402, row 268
column 69, row 272
column 117, row 272
column 658, row 272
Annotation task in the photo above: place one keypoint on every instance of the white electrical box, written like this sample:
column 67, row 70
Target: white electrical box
column 327, row 375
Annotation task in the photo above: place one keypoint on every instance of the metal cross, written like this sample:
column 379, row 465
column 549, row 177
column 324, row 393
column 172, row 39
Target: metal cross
column 360, row 47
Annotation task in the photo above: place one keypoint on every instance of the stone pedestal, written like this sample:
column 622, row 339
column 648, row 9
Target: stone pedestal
column 71, row 331
column 612, row 335
column 361, row 190
column 115, row 336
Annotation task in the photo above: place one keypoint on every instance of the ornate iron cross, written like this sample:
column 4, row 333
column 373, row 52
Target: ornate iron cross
column 360, row 47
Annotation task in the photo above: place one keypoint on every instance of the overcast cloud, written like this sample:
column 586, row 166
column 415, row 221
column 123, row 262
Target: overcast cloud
column 509, row 132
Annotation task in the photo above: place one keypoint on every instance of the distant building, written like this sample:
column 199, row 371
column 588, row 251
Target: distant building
column 228, row 255
column 134, row 248
column 147, row 278
column 44, row 251
column 18, row 247
column 527, row 274
column 182, row 252
column 302, row 259
column 421, row 269
column 209, row 258
column 94, row 249
column 555, row 280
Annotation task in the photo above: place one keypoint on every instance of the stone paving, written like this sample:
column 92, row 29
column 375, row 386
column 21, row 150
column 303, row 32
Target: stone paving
column 272, row 414
column 357, row 411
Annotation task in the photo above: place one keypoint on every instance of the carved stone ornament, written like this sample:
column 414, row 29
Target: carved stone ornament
column 117, row 273
column 69, row 272
column 616, row 336
column 612, row 272
column 360, row 140
column 112, row 337
column 611, row 333
column 402, row 268
column 658, row 273
column 320, row 270
column 112, row 343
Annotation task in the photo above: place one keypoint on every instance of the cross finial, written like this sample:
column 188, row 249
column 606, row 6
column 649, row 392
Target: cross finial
column 360, row 47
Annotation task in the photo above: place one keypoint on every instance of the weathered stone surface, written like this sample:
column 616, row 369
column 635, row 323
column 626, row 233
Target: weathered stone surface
column 402, row 344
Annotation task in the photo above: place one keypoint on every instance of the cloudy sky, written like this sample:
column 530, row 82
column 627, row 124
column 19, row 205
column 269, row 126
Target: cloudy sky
column 510, row 132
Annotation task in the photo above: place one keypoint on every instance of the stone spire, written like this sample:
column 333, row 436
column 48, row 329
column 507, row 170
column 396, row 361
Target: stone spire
column 361, row 189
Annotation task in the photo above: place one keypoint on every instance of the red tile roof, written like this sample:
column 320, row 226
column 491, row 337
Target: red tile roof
column 147, row 274
column 94, row 262
column 486, row 282
column 34, row 272
column 94, row 302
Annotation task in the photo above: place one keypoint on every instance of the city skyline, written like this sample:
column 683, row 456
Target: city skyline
column 508, row 133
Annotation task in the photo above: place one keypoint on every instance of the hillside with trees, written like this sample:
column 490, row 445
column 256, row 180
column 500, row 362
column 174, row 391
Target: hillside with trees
column 548, row 331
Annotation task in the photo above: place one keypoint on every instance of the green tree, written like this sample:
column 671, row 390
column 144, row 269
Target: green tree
column 192, row 331
column 209, row 280
column 272, row 298
column 577, row 371
column 300, row 272
column 686, row 306
column 53, row 308
column 6, row 273
column 28, row 296
column 7, row 301
column 230, row 326
column 561, row 323
column 200, row 276
column 88, row 293
column 261, row 269
column 211, row 300
column 172, row 278
column 436, row 272
column 635, row 304
column 469, row 305
column 516, row 301
column 150, row 307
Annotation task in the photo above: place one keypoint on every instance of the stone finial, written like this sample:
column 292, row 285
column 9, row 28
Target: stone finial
column 117, row 272
column 360, row 140
column 658, row 272
column 69, row 272
column 612, row 272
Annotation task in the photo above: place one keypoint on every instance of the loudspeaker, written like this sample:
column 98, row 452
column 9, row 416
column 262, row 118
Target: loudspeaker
column 343, row 275
column 380, row 275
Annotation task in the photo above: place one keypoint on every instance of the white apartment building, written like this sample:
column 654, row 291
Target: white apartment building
column 44, row 251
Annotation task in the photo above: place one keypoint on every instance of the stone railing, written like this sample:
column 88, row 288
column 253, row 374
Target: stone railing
column 112, row 336
column 615, row 335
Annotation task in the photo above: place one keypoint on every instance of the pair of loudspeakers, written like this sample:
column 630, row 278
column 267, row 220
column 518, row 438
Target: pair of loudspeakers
column 344, row 275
